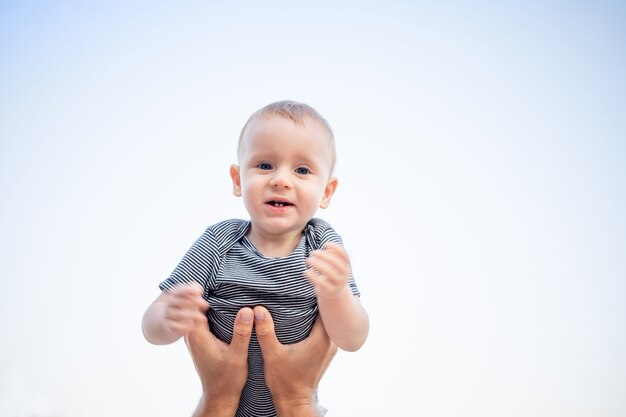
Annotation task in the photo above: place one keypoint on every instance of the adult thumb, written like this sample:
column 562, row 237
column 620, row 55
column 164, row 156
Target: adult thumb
column 265, row 332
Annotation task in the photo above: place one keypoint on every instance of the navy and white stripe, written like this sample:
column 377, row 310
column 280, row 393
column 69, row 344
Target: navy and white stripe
column 235, row 274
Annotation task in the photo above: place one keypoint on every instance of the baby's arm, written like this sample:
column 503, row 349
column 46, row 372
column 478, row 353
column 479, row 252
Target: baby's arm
column 345, row 320
column 174, row 314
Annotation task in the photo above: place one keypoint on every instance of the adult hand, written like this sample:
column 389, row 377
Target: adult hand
column 293, row 372
column 222, row 368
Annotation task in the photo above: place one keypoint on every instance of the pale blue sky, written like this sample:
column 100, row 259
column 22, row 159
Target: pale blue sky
column 487, row 140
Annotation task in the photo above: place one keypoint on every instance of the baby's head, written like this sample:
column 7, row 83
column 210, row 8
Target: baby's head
column 298, row 113
column 286, row 157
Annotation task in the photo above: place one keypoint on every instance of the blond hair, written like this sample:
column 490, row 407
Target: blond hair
column 296, row 112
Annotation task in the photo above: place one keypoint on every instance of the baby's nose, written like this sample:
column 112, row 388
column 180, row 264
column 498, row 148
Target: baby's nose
column 281, row 180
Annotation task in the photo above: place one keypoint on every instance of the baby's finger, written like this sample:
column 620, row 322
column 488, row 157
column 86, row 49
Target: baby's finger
column 313, row 276
column 196, row 310
column 332, row 252
column 202, row 305
column 338, row 256
column 336, row 249
column 328, row 264
column 180, row 328
column 191, row 290
column 180, row 315
column 196, row 288
column 186, row 303
column 190, row 297
column 333, row 246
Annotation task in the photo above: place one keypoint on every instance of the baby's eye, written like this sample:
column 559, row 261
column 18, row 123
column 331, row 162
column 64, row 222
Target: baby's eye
column 264, row 166
column 302, row 170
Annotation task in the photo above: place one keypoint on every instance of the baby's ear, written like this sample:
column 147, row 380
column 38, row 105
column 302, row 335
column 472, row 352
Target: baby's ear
column 236, row 177
column 331, row 186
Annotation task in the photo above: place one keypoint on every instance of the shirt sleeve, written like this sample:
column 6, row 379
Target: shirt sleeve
column 198, row 264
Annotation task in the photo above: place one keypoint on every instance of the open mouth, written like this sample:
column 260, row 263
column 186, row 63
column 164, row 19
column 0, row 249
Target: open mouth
column 279, row 203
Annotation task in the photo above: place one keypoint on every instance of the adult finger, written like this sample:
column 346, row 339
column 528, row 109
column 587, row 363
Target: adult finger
column 242, row 332
column 265, row 332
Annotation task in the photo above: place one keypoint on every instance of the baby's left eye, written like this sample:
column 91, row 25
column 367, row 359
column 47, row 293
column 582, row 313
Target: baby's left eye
column 303, row 170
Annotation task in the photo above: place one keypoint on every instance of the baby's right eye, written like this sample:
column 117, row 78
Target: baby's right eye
column 264, row 166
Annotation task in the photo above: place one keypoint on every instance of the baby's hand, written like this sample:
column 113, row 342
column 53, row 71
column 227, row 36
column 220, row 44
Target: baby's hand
column 329, row 270
column 185, row 308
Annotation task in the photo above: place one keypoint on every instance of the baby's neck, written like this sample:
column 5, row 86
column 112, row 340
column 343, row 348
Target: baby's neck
column 274, row 246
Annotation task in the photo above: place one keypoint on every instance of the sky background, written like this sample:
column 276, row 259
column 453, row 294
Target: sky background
column 482, row 167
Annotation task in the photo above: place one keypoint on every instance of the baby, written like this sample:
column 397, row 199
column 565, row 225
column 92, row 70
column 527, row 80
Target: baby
column 282, row 258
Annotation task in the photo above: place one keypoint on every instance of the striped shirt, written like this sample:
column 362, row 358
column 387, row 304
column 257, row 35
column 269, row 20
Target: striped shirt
column 235, row 274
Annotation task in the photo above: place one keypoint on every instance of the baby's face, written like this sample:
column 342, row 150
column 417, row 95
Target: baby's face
column 284, row 173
